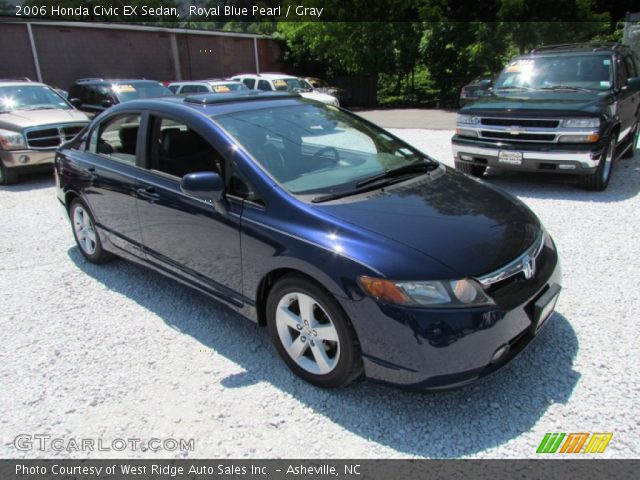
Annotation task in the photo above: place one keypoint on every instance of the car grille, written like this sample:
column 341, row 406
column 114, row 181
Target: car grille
column 520, row 122
column 513, row 129
column 521, row 137
column 51, row 136
column 516, row 269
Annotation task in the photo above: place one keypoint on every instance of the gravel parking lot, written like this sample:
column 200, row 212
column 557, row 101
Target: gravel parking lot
column 117, row 351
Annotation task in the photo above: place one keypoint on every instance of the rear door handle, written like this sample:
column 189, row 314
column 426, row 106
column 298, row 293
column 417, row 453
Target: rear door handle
column 149, row 193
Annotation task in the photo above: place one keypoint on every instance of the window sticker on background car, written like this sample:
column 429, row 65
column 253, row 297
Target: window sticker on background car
column 124, row 89
column 606, row 61
column 279, row 83
column 605, row 83
column 221, row 89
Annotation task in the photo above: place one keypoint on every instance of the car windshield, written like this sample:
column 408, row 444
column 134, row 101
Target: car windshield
column 291, row 85
column 228, row 87
column 30, row 97
column 133, row 91
column 317, row 149
column 590, row 72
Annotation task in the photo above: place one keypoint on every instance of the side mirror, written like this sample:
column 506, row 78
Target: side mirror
column 208, row 186
column 106, row 103
column 633, row 83
column 75, row 102
column 485, row 84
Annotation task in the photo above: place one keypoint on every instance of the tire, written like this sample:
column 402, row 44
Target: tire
column 87, row 237
column 470, row 169
column 630, row 152
column 7, row 175
column 599, row 180
column 325, row 351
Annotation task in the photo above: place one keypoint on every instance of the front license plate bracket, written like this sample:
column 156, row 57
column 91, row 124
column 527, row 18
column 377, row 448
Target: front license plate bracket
column 544, row 306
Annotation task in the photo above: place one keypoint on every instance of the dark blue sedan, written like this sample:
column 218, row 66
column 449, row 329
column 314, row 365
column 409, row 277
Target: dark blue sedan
column 362, row 255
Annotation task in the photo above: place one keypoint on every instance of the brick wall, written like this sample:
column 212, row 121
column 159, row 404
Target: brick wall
column 69, row 52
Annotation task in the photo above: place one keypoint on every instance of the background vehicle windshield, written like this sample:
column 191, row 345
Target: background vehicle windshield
column 591, row 72
column 133, row 91
column 290, row 84
column 30, row 97
column 228, row 87
column 313, row 148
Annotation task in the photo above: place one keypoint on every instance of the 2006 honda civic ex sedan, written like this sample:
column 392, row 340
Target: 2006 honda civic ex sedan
column 362, row 256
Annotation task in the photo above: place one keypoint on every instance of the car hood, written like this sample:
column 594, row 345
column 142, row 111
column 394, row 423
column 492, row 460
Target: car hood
column 320, row 97
column 21, row 119
column 544, row 101
column 460, row 222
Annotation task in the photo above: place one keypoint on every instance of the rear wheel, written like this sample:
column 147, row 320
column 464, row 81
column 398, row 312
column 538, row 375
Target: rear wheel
column 7, row 175
column 470, row 169
column 630, row 152
column 85, row 233
column 599, row 180
column 312, row 334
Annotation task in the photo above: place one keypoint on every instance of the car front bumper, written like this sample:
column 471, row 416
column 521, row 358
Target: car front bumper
column 27, row 158
column 432, row 349
column 557, row 158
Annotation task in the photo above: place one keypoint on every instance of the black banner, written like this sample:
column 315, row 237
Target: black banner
column 317, row 469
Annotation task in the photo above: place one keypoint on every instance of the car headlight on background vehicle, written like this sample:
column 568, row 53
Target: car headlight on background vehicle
column 583, row 122
column 468, row 119
column 10, row 140
column 448, row 293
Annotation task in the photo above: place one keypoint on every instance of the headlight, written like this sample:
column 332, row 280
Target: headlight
column 468, row 119
column 585, row 122
column 449, row 293
column 11, row 140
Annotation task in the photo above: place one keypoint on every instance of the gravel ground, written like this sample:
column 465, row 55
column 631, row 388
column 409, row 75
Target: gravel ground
column 117, row 351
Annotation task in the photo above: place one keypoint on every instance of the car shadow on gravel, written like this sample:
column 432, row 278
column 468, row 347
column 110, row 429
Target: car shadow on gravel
column 449, row 424
column 30, row 182
column 624, row 184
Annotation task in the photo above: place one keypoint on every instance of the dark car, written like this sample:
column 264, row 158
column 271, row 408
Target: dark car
column 563, row 109
column 476, row 88
column 360, row 254
column 94, row 95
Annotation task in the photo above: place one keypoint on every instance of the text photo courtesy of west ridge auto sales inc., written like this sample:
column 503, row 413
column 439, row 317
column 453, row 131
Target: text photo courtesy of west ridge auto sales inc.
column 307, row 238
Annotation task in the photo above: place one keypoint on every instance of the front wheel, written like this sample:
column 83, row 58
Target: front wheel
column 7, row 175
column 470, row 169
column 312, row 334
column 85, row 233
column 599, row 180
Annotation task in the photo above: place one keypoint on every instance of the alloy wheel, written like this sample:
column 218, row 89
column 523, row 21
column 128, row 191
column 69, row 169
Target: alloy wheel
column 84, row 230
column 307, row 333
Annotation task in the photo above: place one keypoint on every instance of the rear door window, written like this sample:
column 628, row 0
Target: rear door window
column 117, row 138
column 264, row 86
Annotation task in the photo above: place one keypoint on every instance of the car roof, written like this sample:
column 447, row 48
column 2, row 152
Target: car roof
column 213, row 81
column 20, row 83
column 115, row 81
column 265, row 76
column 594, row 48
column 212, row 104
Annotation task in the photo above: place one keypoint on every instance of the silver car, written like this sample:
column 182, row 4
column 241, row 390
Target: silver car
column 34, row 121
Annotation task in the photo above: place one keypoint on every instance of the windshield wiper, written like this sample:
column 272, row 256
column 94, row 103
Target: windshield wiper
column 418, row 167
column 384, row 179
column 565, row 87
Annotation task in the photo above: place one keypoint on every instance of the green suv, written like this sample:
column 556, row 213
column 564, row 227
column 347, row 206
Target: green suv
column 563, row 108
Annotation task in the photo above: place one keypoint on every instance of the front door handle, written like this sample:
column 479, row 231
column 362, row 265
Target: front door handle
column 149, row 193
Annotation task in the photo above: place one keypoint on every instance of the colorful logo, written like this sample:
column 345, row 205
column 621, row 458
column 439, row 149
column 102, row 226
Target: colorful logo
column 574, row 442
